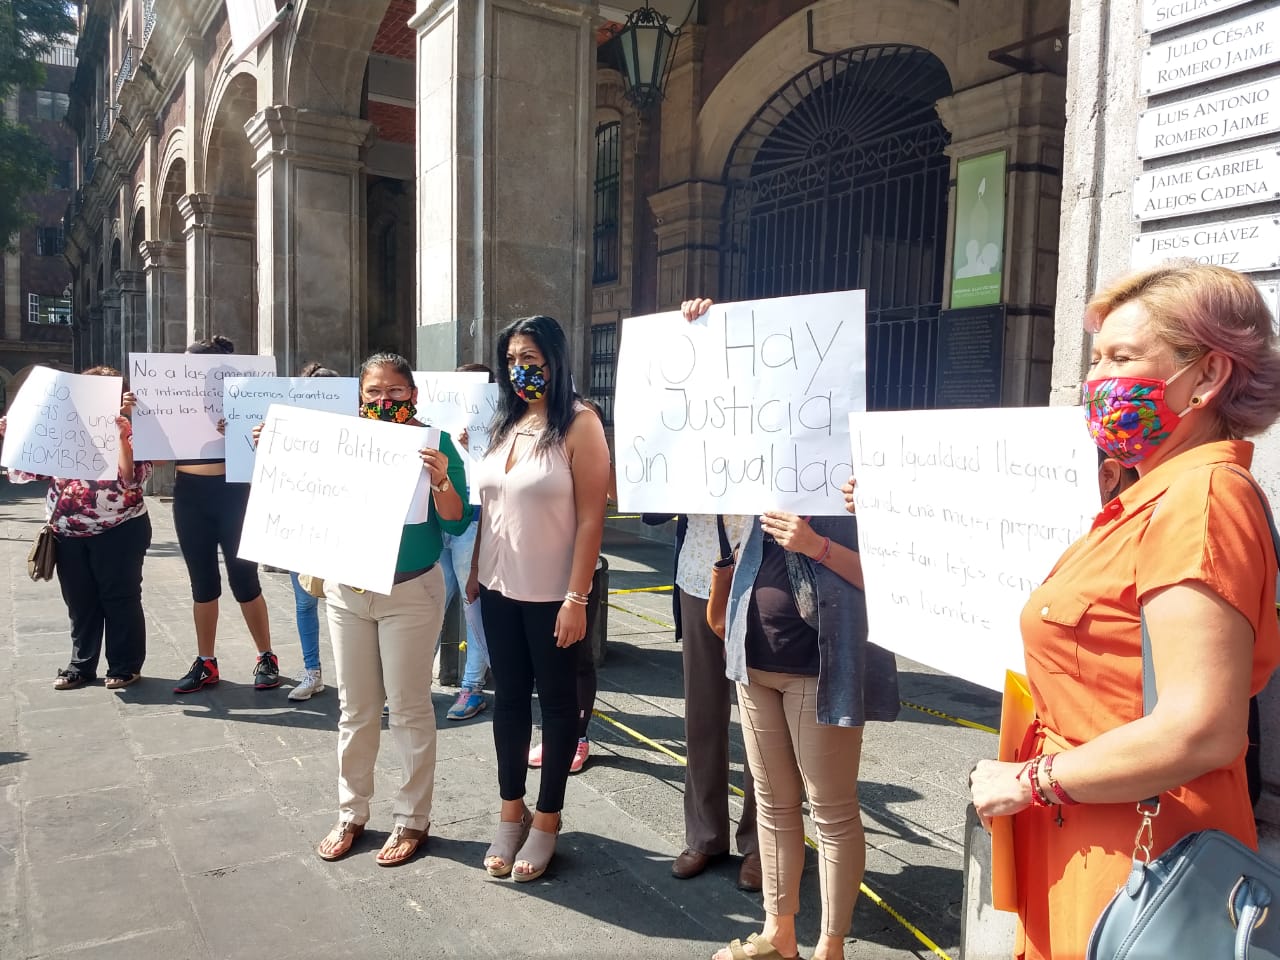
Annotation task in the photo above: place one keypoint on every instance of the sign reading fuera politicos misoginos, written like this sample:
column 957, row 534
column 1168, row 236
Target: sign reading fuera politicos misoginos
column 1247, row 110
column 1246, row 41
column 1160, row 15
column 1233, row 180
column 1245, row 245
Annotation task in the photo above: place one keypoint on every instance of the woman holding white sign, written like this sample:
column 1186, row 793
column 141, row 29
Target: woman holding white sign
column 1185, row 364
column 384, row 646
column 208, row 514
column 103, row 532
column 808, row 680
column 542, row 490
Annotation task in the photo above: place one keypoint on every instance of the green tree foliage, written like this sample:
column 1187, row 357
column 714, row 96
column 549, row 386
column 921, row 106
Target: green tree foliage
column 29, row 29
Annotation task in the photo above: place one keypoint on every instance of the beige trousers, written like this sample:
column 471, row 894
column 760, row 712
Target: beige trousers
column 384, row 649
column 791, row 756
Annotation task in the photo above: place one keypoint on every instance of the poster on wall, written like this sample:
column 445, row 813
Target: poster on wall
column 977, row 261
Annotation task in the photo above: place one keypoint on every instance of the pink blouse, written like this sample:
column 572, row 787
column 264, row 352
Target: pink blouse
column 528, row 520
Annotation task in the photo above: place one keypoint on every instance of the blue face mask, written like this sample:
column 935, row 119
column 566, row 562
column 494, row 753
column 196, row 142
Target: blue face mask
column 529, row 380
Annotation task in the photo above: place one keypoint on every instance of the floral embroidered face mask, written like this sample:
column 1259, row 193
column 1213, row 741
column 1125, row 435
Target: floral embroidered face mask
column 393, row 411
column 1128, row 417
column 529, row 380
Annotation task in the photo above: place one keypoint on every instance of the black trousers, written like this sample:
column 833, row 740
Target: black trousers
column 208, row 512
column 101, row 580
column 523, row 654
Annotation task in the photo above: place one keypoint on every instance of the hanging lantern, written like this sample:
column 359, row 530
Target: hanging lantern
column 647, row 43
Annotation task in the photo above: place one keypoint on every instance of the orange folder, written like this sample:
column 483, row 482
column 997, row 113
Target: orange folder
column 1016, row 714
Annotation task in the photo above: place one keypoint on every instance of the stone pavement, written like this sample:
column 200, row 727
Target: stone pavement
column 145, row 825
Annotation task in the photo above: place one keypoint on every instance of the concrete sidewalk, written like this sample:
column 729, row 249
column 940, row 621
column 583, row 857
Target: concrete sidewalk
column 145, row 825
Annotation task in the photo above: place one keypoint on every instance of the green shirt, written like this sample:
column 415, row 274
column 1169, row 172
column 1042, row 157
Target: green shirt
column 420, row 543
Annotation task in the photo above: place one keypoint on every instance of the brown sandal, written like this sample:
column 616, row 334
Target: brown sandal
column 340, row 838
column 405, row 837
column 69, row 680
column 119, row 683
column 762, row 950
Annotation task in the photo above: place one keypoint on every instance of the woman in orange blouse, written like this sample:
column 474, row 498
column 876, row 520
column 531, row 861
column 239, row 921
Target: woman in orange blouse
column 1184, row 365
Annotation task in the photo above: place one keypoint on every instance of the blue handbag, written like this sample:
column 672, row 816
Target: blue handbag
column 1207, row 896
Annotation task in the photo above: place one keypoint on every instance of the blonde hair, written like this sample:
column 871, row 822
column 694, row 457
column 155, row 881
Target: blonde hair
column 1198, row 309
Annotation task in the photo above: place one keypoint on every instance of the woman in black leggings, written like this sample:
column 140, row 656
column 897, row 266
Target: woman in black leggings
column 208, row 513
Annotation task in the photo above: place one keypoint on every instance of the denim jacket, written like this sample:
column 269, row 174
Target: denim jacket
column 857, row 681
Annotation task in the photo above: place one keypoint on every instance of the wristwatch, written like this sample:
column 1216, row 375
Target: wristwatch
column 444, row 487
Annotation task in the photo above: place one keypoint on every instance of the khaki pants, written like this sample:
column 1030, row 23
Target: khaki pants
column 792, row 755
column 384, row 648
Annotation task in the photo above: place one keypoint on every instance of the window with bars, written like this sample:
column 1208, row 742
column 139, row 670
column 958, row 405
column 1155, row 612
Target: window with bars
column 48, row 310
column 608, row 202
column 50, row 241
column 604, row 363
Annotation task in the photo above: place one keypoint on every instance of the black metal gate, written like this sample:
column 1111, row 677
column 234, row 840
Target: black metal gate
column 839, row 182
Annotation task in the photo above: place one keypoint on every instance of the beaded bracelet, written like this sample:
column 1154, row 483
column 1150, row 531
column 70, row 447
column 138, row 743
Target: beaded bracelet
column 1038, row 796
column 826, row 551
column 1058, row 790
column 579, row 598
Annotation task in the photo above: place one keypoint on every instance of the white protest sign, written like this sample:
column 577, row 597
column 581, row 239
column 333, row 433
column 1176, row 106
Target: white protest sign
column 458, row 401
column 742, row 410
column 330, row 494
column 180, row 401
column 961, row 514
column 245, row 401
column 64, row 425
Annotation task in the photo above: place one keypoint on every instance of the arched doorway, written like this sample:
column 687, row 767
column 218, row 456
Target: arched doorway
column 840, row 182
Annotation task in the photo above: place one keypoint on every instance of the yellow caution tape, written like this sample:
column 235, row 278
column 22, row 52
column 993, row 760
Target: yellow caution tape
column 871, row 894
column 959, row 721
column 635, row 613
column 643, row 590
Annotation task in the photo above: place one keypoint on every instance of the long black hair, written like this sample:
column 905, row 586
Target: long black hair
column 548, row 335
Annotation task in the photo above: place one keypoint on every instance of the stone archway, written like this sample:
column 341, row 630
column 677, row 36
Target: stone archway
column 932, row 25
column 165, row 259
column 220, row 219
column 326, row 54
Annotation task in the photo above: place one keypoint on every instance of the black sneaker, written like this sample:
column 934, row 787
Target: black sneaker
column 203, row 673
column 267, row 673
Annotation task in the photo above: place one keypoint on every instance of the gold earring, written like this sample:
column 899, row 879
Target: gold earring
column 1195, row 401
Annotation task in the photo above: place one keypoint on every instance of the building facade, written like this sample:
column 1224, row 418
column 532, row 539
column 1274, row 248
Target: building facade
column 36, row 279
column 385, row 175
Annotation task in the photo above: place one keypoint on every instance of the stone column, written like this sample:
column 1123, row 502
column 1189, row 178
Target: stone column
column 1024, row 114
column 133, row 312
column 95, row 341
column 110, row 350
column 688, row 229
column 13, row 305
column 505, row 124
column 220, row 295
column 165, row 267
column 311, row 236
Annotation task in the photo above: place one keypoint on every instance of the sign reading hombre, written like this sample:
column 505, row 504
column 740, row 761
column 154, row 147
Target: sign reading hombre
column 961, row 515
column 1233, row 180
column 1244, row 245
column 64, row 425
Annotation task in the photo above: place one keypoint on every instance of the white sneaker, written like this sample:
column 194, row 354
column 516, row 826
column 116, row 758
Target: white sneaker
column 309, row 684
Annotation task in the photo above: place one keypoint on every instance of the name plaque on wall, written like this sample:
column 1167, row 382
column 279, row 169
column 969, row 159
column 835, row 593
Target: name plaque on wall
column 1160, row 15
column 1244, row 245
column 1248, row 110
column 1242, row 44
column 1233, row 180
column 970, row 357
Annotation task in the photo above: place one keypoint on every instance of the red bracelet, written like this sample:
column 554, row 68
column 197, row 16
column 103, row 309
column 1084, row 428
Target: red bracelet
column 1057, row 788
column 1038, row 796
column 826, row 551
